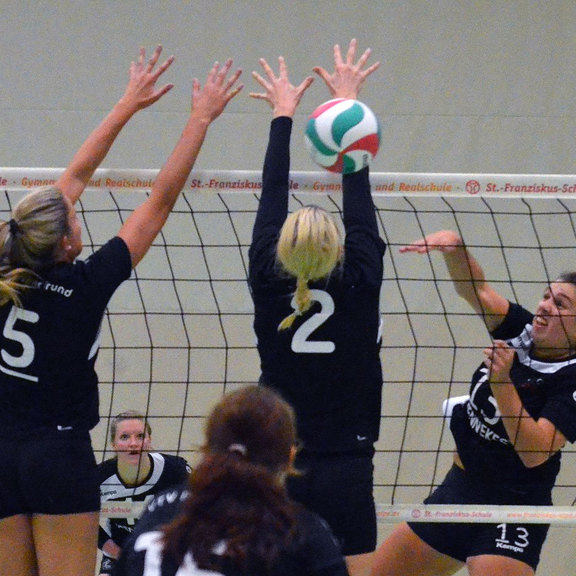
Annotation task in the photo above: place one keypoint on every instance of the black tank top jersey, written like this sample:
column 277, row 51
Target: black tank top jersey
column 48, row 347
column 327, row 365
column 167, row 471
column 547, row 390
column 315, row 552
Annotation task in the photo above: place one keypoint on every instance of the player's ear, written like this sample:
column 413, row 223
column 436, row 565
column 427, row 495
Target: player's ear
column 62, row 248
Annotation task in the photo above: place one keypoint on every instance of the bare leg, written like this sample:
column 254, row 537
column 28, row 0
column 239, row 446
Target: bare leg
column 497, row 566
column 404, row 554
column 17, row 556
column 66, row 545
column 360, row 564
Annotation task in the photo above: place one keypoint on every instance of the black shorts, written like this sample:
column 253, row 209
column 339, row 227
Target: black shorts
column 339, row 488
column 52, row 474
column 461, row 540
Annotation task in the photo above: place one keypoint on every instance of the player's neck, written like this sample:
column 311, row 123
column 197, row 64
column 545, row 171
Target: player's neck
column 132, row 475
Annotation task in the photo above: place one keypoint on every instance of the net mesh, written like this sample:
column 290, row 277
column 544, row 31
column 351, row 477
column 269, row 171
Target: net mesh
column 178, row 334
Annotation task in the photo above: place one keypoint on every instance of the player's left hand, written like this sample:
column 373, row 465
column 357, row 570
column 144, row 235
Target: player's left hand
column 348, row 77
column 498, row 358
column 141, row 91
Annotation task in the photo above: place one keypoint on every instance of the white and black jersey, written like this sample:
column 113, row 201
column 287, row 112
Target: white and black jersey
column 313, row 553
column 547, row 390
column 166, row 471
column 49, row 345
column 327, row 365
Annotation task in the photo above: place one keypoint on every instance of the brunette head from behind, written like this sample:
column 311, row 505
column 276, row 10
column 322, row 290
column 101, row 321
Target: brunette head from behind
column 237, row 490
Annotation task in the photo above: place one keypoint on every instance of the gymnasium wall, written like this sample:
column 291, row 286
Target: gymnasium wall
column 474, row 86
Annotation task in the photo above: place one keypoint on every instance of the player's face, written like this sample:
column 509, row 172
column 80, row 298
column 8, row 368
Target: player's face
column 131, row 440
column 554, row 325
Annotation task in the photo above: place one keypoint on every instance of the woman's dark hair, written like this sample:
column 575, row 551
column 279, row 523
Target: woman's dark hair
column 237, row 491
column 568, row 277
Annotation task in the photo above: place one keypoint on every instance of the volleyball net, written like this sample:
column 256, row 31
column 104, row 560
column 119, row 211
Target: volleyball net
column 179, row 334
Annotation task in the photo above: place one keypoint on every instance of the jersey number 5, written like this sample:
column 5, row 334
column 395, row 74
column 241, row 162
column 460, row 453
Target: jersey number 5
column 11, row 363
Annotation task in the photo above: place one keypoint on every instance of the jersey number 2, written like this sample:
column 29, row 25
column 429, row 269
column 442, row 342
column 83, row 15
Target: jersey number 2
column 300, row 342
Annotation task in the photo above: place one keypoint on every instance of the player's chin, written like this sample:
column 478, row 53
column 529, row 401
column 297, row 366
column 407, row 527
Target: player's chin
column 131, row 456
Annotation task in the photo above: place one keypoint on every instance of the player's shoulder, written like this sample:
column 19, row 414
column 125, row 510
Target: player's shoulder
column 107, row 468
column 172, row 465
column 173, row 460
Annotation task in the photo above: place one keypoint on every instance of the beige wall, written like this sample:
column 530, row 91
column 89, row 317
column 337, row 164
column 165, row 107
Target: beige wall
column 464, row 86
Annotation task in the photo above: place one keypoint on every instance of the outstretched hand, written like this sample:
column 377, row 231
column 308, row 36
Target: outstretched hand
column 442, row 241
column 282, row 96
column 141, row 91
column 348, row 78
column 209, row 101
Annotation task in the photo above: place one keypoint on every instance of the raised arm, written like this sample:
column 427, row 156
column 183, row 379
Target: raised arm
column 284, row 98
column 466, row 273
column 346, row 81
column 208, row 102
column 140, row 93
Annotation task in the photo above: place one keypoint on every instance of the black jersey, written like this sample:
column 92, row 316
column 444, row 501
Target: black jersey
column 327, row 365
column 314, row 553
column 547, row 390
column 166, row 471
column 50, row 344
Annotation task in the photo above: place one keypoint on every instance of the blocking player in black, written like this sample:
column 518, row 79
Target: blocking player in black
column 317, row 319
column 51, row 307
column 234, row 516
column 509, row 432
column 134, row 474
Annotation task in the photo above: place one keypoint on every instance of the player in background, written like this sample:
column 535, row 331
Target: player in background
column 508, row 433
column 317, row 318
column 51, row 308
column 234, row 517
column 134, row 474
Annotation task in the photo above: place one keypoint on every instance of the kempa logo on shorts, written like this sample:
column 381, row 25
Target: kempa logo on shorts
column 507, row 546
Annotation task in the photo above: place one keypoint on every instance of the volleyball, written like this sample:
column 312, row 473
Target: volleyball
column 342, row 135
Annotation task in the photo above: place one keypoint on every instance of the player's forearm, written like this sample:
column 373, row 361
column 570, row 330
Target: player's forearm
column 94, row 150
column 173, row 175
column 531, row 441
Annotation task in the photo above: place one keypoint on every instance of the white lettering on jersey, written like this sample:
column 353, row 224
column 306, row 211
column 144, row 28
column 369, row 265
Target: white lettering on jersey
column 300, row 342
column 49, row 287
column 10, row 362
column 483, row 427
column 151, row 544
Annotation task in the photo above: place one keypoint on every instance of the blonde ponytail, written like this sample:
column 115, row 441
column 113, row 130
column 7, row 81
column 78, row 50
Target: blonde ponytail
column 309, row 248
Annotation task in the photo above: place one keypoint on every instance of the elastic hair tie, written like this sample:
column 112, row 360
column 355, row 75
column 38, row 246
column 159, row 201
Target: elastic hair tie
column 238, row 449
column 14, row 227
